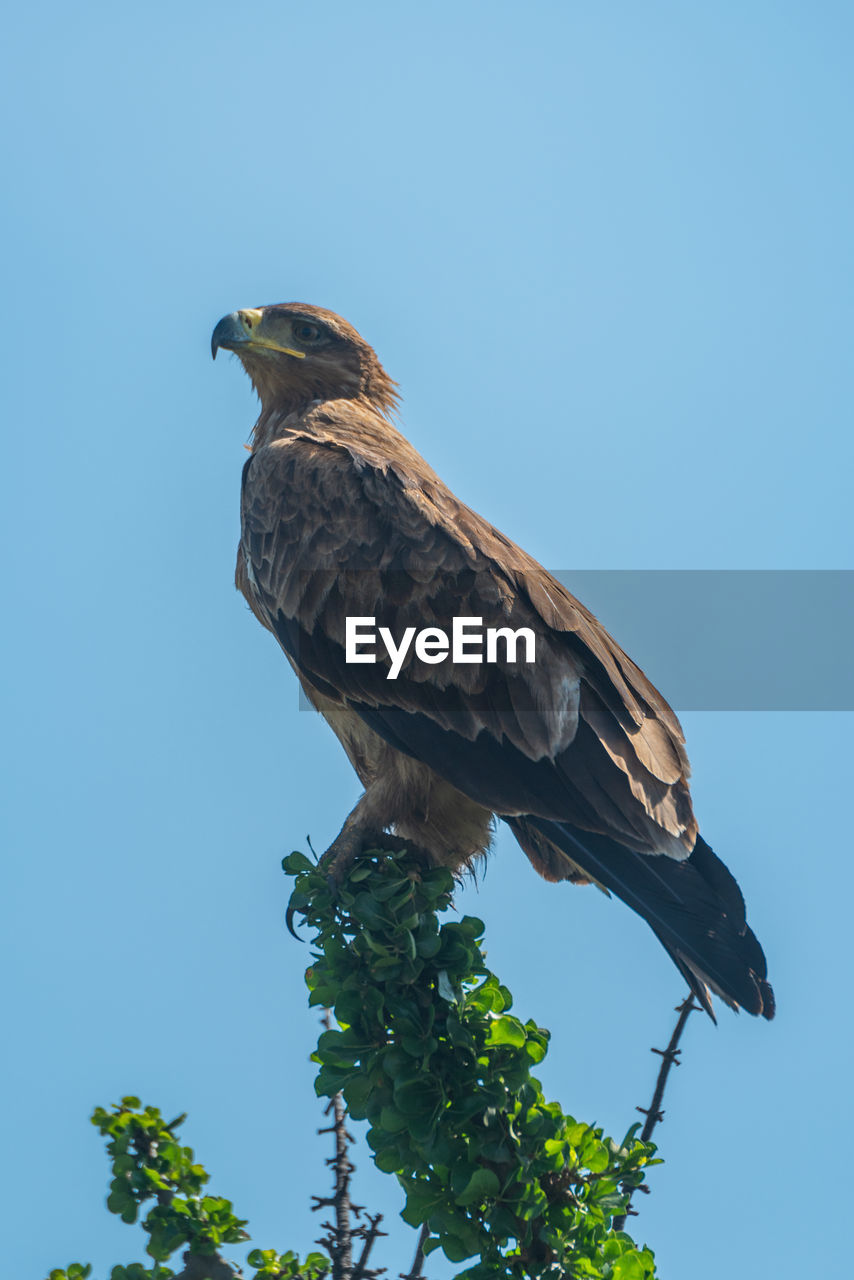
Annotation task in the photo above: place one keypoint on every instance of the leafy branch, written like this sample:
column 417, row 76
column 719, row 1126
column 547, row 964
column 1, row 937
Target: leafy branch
column 428, row 1052
column 149, row 1164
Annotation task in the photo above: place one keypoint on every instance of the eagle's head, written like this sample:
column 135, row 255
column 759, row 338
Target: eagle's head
column 296, row 354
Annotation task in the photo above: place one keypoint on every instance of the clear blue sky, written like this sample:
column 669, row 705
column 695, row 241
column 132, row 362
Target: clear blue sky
column 607, row 252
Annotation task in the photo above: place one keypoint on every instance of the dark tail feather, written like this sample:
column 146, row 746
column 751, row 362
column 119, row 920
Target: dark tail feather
column 694, row 907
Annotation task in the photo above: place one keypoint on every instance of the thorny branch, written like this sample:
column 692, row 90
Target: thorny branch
column 654, row 1113
column 340, row 1235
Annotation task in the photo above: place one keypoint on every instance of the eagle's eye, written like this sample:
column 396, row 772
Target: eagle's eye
column 306, row 331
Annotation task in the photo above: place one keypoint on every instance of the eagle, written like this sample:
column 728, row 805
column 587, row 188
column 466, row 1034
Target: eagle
column 344, row 524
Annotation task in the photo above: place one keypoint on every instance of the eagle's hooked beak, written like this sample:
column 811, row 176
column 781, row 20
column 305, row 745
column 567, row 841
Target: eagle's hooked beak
column 241, row 329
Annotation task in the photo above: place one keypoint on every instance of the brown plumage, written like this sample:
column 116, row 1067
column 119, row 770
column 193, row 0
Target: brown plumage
column 577, row 751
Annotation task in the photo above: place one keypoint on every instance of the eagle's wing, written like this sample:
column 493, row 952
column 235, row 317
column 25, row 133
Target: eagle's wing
column 580, row 754
column 580, row 735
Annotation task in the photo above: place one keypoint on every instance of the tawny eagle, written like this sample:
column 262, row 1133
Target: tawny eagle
column 342, row 519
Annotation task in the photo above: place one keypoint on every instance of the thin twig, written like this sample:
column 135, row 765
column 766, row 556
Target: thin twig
column 416, row 1271
column 369, row 1234
column 654, row 1113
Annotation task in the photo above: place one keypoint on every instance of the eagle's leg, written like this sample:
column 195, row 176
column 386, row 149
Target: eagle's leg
column 353, row 838
column 361, row 831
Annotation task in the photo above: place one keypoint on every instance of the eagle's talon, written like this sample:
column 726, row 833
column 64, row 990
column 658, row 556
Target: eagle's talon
column 345, row 849
column 289, row 921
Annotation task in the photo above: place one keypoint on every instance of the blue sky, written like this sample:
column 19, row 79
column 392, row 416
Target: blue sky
column 606, row 250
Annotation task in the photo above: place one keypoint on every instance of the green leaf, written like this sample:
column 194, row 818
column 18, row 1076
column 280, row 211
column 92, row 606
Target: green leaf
column 296, row 862
column 316, row 1260
column 482, row 1185
column 507, row 1030
column 331, row 1080
column 383, row 892
column 455, row 1250
column 389, row 1159
column 427, row 944
column 392, row 1120
column 357, row 1094
column 595, row 1157
column 422, row 1200
column 629, row 1267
